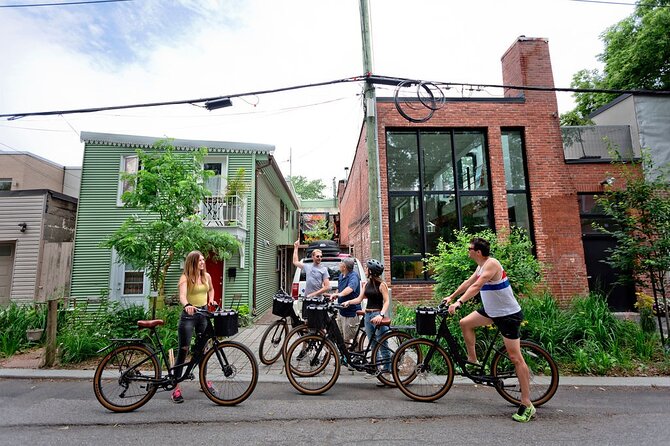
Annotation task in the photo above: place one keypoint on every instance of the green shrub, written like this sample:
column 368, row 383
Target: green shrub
column 451, row 265
column 15, row 320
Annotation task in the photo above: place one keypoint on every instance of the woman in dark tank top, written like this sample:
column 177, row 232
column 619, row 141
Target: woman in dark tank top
column 377, row 293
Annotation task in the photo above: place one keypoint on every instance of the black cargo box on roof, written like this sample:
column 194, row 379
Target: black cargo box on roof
column 329, row 248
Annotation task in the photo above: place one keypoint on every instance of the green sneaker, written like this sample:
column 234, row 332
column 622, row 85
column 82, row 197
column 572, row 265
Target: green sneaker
column 524, row 414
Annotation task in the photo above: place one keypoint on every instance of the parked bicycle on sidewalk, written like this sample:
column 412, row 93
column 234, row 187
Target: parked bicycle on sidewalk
column 130, row 374
column 273, row 339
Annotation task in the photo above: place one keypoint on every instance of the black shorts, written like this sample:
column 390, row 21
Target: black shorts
column 510, row 325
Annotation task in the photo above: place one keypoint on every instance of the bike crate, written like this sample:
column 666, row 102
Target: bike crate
column 225, row 323
column 317, row 316
column 282, row 305
column 425, row 321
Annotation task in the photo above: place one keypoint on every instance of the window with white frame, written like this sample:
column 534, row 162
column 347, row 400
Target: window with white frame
column 129, row 165
column 5, row 184
column 128, row 281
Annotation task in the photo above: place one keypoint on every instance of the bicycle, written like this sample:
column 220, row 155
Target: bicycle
column 433, row 369
column 130, row 374
column 274, row 338
column 315, row 359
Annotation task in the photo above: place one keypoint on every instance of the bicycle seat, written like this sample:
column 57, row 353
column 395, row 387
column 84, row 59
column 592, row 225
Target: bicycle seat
column 360, row 312
column 385, row 321
column 150, row 324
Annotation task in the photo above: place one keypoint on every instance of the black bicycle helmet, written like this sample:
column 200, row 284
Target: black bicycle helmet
column 375, row 267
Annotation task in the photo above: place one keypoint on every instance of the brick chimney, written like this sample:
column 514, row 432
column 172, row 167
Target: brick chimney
column 527, row 62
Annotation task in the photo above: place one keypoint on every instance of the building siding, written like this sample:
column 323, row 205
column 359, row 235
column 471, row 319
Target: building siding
column 29, row 209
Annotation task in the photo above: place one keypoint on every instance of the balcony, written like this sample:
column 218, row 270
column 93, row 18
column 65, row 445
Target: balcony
column 593, row 144
column 225, row 212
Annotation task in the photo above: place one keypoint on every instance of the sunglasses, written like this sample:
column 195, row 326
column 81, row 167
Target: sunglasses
column 317, row 257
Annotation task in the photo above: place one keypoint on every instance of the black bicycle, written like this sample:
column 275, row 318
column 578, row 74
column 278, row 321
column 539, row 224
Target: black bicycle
column 130, row 374
column 424, row 370
column 314, row 360
column 273, row 341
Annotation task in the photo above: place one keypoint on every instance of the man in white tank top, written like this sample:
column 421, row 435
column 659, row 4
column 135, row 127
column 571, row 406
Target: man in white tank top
column 500, row 308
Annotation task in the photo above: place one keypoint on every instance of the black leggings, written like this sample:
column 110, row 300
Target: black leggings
column 188, row 323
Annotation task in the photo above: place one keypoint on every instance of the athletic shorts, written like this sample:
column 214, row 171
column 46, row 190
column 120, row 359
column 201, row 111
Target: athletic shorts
column 510, row 325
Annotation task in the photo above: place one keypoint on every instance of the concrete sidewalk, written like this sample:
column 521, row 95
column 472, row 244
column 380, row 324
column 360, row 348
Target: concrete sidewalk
column 251, row 336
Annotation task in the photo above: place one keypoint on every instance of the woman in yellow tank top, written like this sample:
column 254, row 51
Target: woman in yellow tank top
column 195, row 291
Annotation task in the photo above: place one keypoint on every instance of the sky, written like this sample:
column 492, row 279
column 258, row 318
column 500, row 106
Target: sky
column 142, row 51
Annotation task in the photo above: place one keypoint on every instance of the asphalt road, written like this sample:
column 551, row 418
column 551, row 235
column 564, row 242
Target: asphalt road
column 60, row 412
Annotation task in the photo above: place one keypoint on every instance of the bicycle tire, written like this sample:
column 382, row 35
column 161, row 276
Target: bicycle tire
column 543, row 374
column 362, row 343
column 272, row 342
column 292, row 336
column 418, row 380
column 320, row 355
column 234, row 379
column 393, row 340
column 128, row 368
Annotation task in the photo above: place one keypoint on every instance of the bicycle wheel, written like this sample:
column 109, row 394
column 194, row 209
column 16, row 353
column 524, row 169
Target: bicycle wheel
column 362, row 344
column 313, row 364
column 419, row 378
column 123, row 379
column 382, row 355
column 272, row 342
column 293, row 335
column 230, row 369
column 543, row 374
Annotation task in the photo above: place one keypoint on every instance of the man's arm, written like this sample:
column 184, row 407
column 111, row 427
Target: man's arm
column 296, row 260
column 461, row 288
column 488, row 272
column 324, row 288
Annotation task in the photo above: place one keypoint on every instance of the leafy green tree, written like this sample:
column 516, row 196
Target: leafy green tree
column 320, row 231
column 307, row 189
column 169, row 188
column 636, row 56
column 452, row 265
column 642, row 213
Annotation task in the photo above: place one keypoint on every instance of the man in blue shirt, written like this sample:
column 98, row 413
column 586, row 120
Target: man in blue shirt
column 348, row 287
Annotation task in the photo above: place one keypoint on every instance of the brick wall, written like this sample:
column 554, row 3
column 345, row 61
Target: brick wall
column 553, row 184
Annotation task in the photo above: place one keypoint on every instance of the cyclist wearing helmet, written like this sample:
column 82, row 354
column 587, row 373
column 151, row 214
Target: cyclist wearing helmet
column 377, row 293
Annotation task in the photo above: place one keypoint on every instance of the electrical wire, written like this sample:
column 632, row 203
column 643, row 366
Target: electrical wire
column 89, row 2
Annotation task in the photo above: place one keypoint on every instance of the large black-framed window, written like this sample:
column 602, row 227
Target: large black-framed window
column 516, row 181
column 438, row 181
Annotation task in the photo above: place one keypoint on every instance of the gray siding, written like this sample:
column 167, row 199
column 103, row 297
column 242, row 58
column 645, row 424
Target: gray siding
column 15, row 209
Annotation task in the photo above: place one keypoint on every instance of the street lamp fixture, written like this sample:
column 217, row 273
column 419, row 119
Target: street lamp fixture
column 218, row 103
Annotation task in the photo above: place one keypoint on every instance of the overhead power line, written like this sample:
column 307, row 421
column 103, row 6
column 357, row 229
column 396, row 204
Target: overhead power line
column 91, row 2
column 375, row 79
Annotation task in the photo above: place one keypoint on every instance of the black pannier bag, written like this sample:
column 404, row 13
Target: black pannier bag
column 307, row 302
column 225, row 323
column 425, row 321
column 318, row 316
column 282, row 305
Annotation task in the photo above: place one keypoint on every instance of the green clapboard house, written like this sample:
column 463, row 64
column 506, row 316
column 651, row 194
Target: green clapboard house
column 264, row 218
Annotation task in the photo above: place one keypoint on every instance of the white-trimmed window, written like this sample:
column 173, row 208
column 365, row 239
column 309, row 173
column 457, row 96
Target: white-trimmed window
column 127, row 281
column 218, row 182
column 5, row 184
column 129, row 164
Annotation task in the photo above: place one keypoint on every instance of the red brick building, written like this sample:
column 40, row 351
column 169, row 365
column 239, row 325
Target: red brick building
column 477, row 163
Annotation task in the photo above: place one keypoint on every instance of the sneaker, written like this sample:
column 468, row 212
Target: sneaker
column 301, row 355
column 176, row 396
column 524, row 414
column 210, row 388
column 370, row 375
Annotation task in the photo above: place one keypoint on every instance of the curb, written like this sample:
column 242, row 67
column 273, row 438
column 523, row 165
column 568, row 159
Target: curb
column 575, row 381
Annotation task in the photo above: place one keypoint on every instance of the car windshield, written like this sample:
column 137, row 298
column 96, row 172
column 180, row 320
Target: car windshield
column 333, row 266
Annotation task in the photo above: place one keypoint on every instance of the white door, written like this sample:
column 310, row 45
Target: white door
column 6, row 267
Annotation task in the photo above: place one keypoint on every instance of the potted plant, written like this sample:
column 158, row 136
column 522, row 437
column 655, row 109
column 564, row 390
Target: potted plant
column 36, row 323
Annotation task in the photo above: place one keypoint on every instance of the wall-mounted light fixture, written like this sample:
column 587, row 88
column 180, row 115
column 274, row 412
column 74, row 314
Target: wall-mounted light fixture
column 218, row 103
column 607, row 181
column 23, row 226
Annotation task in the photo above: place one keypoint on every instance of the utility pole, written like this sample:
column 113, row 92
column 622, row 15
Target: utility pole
column 374, row 186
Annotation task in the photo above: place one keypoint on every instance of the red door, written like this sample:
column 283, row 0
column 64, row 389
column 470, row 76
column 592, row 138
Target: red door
column 215, row 269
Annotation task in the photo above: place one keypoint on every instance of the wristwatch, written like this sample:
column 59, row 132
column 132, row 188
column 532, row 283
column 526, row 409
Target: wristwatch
column 381, row 314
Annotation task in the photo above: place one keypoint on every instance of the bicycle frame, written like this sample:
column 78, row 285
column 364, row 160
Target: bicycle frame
column 455, row 350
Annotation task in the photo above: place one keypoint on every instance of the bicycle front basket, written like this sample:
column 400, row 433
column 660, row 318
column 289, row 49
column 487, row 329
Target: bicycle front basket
column 308, row 302
column 282, row 305
column 425, row 321
column 225, row 323
column 318, row 316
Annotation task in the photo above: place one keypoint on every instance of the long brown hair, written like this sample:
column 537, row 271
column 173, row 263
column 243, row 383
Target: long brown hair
column 191, row 271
